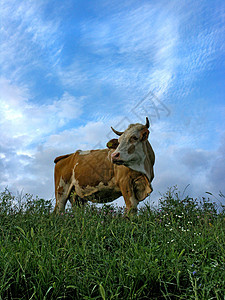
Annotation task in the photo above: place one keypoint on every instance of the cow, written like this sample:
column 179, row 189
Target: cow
column 124, row 168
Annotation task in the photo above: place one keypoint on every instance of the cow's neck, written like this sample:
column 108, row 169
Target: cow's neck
column 140, row 166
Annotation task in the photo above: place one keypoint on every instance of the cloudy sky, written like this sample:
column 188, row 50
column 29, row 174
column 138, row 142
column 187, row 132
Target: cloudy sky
column 71, row 69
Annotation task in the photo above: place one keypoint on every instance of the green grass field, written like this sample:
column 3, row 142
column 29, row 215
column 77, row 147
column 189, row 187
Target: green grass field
column 176, row 251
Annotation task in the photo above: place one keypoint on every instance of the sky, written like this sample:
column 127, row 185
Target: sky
column 71, row 69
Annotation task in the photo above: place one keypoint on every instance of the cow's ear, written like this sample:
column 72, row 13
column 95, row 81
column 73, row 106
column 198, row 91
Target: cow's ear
column 144, row 134
column 113, row 144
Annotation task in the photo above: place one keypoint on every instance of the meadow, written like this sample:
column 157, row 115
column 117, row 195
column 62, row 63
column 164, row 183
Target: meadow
column 174, row 251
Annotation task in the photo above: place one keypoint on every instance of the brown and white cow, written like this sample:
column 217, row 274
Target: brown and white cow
column 124, row 168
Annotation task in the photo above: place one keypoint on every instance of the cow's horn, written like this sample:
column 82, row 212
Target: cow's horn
column 117, row 132
column 147, row 122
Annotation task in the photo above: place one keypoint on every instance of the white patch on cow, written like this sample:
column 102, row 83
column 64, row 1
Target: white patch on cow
column 84, row 152
column 134, row 160
column 74, row 169
column 67, row 186
column 62, row 197
column 138, row 163
column 109, row 157
column 87, row 190
column 149, row 160
column 73, row 180
column 103, row 191
column 141, row 158
column 63, row 184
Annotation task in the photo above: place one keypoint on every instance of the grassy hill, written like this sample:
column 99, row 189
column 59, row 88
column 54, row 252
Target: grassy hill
column 174, row 252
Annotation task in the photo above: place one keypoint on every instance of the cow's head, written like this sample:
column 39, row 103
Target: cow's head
column 129, row 147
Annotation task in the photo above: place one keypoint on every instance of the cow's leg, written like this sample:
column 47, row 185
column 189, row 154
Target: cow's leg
column 129, row 198
column 131, row 205
column 61, row 199
column 75, row 200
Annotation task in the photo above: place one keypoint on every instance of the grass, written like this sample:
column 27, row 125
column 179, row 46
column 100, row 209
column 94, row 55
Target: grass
column 174, row 252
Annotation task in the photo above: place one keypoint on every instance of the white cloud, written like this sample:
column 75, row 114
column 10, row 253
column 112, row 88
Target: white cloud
column 177, row 164
column 25, row 120
column 130, row 50
column 73, row 75
column 27, row 38
column 91, row 136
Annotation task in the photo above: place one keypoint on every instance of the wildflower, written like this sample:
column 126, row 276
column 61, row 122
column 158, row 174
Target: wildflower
column 210, row 224
column 198, row 217
column 215, row 264
column 194, row 272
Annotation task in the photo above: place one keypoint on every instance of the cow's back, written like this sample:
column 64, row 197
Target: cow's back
column 93, row 167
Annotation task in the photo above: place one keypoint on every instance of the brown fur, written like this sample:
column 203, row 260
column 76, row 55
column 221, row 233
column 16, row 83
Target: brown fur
column 95, row 170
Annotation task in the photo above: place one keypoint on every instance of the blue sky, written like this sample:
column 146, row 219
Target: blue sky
column 71, row 69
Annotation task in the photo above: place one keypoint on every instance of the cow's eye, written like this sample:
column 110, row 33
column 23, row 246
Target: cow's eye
column 133, row 139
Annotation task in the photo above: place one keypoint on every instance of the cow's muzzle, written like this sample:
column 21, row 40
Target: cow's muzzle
column 116, row 158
